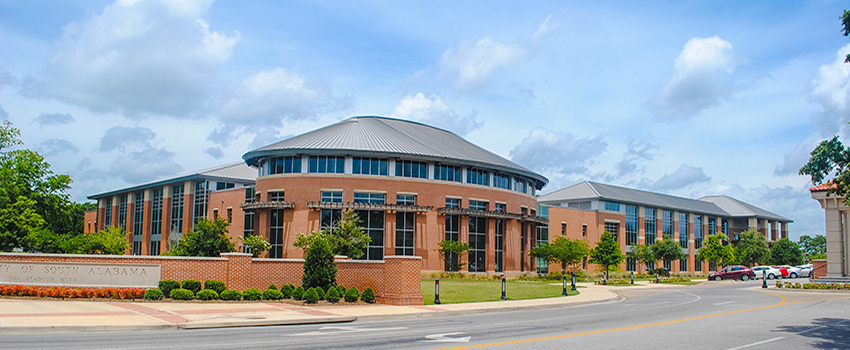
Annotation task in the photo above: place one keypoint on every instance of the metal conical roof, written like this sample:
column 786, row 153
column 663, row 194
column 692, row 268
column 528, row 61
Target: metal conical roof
column 389, row 137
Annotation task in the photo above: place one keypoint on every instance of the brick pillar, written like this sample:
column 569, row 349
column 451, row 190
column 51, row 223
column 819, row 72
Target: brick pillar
column 400, row 281
column 239, row 272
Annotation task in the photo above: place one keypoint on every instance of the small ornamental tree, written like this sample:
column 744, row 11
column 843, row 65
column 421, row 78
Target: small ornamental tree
column 715, row 252
column 751, row 249
column 319, row 265
column 347, row 239
column 209, row 238
column 786, row 252
column 607, row 253
column 667, row 250
column 452, row 251
column 563, row 250
column 257, row 244
column 641, row 253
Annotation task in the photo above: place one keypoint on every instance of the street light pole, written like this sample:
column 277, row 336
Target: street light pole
column 504, row 295
column 437, row 291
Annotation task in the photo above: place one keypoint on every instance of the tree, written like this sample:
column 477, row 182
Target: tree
column 752, row 248
column 813, row 246
column 715, row 252
column 112, row 240
column 258, row 244
column 319, row 265
column 347, row 239
column 607, row 253
column 667, row 250
column 641, row 253
column 452, row 251
column 209, row 238
column 845, row 21
column 786, row 252
column 563, row 250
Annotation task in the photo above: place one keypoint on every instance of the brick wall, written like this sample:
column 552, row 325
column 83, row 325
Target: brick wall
column 395, row 279
column 818, row 268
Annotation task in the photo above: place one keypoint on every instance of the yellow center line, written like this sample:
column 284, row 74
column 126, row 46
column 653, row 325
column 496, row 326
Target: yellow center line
column 601, row 331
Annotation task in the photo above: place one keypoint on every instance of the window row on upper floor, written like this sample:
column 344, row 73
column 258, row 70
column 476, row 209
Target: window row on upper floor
column 403, row 168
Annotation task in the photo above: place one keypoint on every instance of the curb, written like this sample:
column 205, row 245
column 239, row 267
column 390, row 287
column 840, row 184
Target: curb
column 173, row 326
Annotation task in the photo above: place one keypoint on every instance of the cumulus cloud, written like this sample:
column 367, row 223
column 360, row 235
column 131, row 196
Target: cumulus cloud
column 554, row 152
column 699, row 79
column 792, row 162
column 215, row 152
column 638, row 151
column 6, row 78
column 88, row 179
column 54, row 118
column 473, row 63
column 265, row 137
column 137, row 58
column 794, row 203
column 683, row 177
column 831, row 90
column 145, row 165
column 432, row 110
column 51, row 147
column 121, row 137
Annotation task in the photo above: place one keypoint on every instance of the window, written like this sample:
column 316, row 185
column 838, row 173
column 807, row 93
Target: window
column 107, row 212
column 631, row 225
column 683, row 265
column 543, row 211
column 224, row 185
column 631, row 264
column 668, row 265
column 447, row 173
column 201, row 201
column 177, row 208
column 137, row 247
column 405, row 224
column 501, row 207
column 614, row 229
column 331, row 197
column 369, row 166
column 405, row 199
column 375, row 198
column 725, row 226
column 284, row 165
column 229, row 215
column 712, row 226
column 611, row 206
column 684, row 234
column 138, row 222
column 501, row 181
column 215, row 214
column 327, row 164
column 477, row 244
column 277, row 196
column 276, row 233
column 248, row 224
column 542, row 238
column 122, row 212
column 331, row 217
column 452, row 233
column 649, row 225
column 697, row 231
column 409, row 168
column 500, row 243
column 584, row 230
column 667, row 224
column 156, row 221
column 650, row 265
column 698, row 266
column 477, row 177
column 479, row 205
column 520, row 185
column 563, row 228
column 452, row 202
column 372, row 223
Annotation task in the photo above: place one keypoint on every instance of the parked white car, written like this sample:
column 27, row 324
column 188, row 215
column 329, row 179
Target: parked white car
column 793, row 272
column 806, row 270
column 769, row 271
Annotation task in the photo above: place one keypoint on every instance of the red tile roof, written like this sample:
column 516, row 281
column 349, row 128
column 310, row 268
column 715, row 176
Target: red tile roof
column 826, row 186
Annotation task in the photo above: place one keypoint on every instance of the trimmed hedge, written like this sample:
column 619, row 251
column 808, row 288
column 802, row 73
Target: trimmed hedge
column 154, row 294
column 182, row 294
column 311, row 296
column 273, row 287
column 286, row 290
column 166, row 286
column 217, row 286
column 252, row 294
column 333, row 295
column 298, row 293
column 272, row 294
column 207, row 294
column 231, row 294
column 193, row 285
column 368, row 295
column 341, row 290
column 352, row 295
column 320, row 292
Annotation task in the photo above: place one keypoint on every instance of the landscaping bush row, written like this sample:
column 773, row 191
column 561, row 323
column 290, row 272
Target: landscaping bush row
column 615, row 281
column 791, row 285
column 214, row 290
column 672, row 280
column 72, row 292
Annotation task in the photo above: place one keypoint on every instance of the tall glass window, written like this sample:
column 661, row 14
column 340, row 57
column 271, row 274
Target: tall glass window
column 725, row 225
column 520, row 185
column 697, row 231
column 122, row 212
column 543, row 238
column 667, row 224
column 331, row 217
column 684, row 233
column 631, row 264
column 447, row 173
column 156, row 221
column 683, row 265
column 276, row 233
column 404, row 233
column 712, row 225
column 409, row 168
column 248, row 224
column 107, row 212
column 477, row 244
column 327, row 164
column 372, row 222
column 477, row 177
column 631, row 225
column 501, row 181
column 649, row 225
column 614, row 229
column 284, row 165
column 138, row 222
column 500, row 243
column 201, row 201
column 452, row 230
column 697, row 265
column 177, row 208
column 369, row 166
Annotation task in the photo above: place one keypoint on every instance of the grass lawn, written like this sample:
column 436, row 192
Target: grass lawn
column 453, row 291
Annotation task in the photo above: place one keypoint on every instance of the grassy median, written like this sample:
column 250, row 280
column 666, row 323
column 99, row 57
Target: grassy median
column 453, row 291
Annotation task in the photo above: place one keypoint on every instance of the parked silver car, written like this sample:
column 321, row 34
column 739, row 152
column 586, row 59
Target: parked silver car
column 806, row 270
column 793, row 272
column 769, row 271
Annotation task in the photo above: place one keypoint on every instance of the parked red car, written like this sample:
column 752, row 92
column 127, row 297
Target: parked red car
column 734, row 272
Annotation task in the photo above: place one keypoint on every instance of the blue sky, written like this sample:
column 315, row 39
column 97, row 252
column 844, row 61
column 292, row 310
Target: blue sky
column 690, row 98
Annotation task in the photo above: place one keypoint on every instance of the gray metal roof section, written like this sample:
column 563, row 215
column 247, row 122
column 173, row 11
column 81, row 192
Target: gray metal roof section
column 370, row 135
column 235, row 172
column 742, row 209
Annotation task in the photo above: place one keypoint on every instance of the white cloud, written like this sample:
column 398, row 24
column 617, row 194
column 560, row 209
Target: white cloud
column 638, row 152
column 6, row 78
column 683, row 177
column 544, row 28
column 121, row 137
column 145, row 165
column 474, row 63
column 792, row 162
column 699, row 79
column 52, row 147
column 831, row 90
column 557, row 153
column 137, row 58
column 54, row 118
column 432, row 110
column 214, row 152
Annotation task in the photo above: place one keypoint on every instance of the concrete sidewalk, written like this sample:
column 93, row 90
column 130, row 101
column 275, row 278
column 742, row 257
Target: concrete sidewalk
column 35, row 316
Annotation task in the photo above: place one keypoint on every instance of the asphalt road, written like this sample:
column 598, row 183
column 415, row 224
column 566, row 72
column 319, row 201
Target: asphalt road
column 714, row 315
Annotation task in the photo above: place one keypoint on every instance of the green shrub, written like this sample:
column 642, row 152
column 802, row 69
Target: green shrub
column 660, row 271
column 286, row 291
column 231, row 294
column 368, row 295
column 351, row 295
column 320, row 292
column 182, row 294
column 217, row 286
column 252, row 294
column 298, row 293
column 153, row 294
column 340, row 290
column 311, row 296
column 273, row 287
column 193, row 285
column 333, row 295
column 272, row 294
column 166, row 286
column 207, row 294
column 319, row 266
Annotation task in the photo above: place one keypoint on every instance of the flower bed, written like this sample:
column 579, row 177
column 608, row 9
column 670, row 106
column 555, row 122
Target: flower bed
column 71, row 293
column 834, row 286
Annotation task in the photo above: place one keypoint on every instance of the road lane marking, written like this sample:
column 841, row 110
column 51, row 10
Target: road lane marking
column 723, row 303
column 610, row 330
column 446, row 338
column 757, row 343
column 345, row 329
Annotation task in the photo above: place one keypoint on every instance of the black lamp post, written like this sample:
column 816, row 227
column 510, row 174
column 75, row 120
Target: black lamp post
column 574, row 280
column 764, row 278
column 633, row 278
column 437, row 291
column 565, row 285
column 504, row 295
